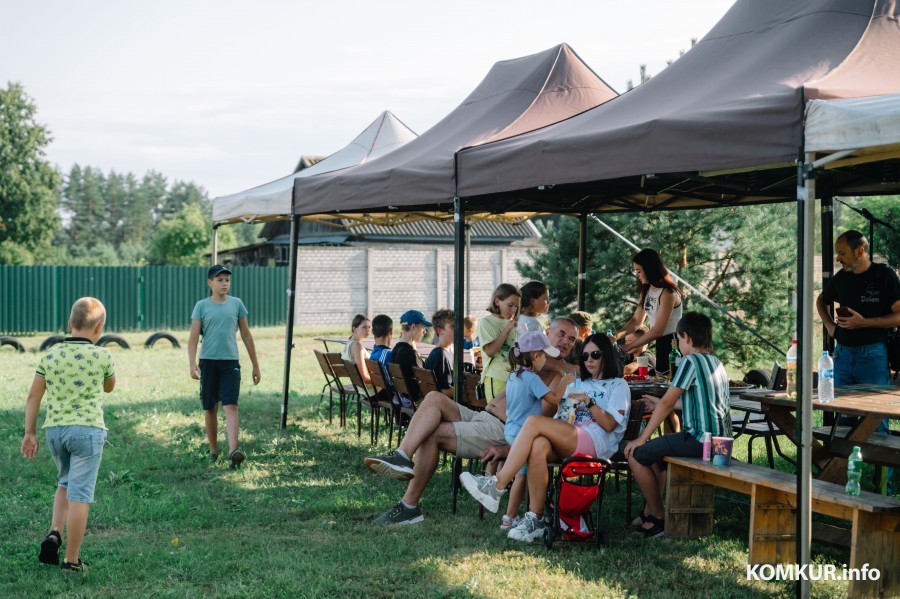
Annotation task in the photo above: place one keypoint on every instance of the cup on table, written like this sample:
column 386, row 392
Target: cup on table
column 721, row 451
column 643, row 364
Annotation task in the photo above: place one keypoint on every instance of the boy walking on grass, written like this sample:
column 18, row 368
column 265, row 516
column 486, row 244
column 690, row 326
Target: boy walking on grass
column 72, row 374
column 218, row 318
column 700, row 390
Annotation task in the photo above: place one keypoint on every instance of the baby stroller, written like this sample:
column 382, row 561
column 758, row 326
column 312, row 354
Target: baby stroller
column 577, row 486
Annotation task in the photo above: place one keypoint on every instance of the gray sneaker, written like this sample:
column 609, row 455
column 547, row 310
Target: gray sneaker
column 401, row 515
column 392, row 464
column 483, row 489
column 531, row 527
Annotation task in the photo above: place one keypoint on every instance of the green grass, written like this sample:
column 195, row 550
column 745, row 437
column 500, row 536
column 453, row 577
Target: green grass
column 294, row 521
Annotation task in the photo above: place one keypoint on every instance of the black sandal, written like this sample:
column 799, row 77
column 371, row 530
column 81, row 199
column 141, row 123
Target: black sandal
column 640, row 525
column 50, row 548
column 657, row 530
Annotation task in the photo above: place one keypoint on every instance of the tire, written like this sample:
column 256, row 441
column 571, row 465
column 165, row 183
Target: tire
column 757, row 378
column 51, row 341
column 152, row 339
column 12, row 342
column 113, row 338
column 549, row 537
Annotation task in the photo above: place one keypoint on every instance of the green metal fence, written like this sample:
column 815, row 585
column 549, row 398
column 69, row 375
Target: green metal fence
column 137, row 298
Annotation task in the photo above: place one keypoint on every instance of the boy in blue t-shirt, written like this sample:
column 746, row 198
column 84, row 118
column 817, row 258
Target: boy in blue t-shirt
column 218, row 318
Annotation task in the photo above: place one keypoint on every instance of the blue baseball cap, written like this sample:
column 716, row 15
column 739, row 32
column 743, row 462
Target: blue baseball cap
column 414, row 317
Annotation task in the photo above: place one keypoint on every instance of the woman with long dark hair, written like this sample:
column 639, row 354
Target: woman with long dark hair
column 659, row 301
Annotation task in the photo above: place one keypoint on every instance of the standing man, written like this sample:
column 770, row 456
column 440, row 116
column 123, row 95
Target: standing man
column 869, row 298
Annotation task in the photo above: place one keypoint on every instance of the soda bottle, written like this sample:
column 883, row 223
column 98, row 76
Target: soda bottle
column 791, row 377
column 674, row 361
column 826, row 378
column 854, row 472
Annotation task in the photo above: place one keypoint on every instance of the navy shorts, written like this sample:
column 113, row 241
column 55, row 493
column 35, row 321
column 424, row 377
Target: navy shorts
column 680, row 445
column 220, row 381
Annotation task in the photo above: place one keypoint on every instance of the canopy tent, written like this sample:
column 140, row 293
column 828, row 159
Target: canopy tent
column 724, row 124
column 516, row 96
column 870, row 126
column 273, row 200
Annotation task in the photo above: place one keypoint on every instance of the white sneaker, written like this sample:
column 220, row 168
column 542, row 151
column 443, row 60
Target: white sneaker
column 483, row 489
column 507, row 523
column 531, row 527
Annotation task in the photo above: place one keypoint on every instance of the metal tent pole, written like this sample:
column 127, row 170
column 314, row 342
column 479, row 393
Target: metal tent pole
column 582, row 259
column 215, row 245
column 459, row 293
column 289, row 325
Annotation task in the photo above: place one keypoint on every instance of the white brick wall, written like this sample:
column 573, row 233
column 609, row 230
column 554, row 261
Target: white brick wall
column 335, row 283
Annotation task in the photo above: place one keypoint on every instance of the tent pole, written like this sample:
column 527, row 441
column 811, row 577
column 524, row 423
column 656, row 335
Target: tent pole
column 459, row 293
column 582, row 258
column 468, row 231
column 289, row 325
column 806, row 212
column 827, row 228
column 215, row 245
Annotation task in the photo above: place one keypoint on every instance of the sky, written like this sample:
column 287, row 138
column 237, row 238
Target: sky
column 230, row 94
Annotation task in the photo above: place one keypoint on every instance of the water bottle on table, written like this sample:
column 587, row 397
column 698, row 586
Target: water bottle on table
column 854, row 472
column 826, row 378
column 790, row 388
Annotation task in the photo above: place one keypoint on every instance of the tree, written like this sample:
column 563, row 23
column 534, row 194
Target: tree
column 184, row 239
column 28, row 184
column 886, row 208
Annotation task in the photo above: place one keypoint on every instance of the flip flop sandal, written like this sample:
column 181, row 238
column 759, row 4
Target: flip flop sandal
column 640, row 525
column 657, row 530
column 50, row 549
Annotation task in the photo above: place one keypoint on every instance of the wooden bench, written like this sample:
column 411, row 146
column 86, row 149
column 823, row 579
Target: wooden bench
column 880, row 449
column 875, row 519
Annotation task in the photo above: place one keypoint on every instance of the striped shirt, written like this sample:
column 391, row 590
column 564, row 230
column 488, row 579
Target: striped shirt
column 704, row 403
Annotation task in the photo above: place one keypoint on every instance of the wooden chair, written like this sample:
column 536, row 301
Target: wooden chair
column 363, row 398
column 383, row 394
column 407, row 387
column 473, row 398
column 618, row 463
column 331, row 383
column 425, row 381
column 346, row 391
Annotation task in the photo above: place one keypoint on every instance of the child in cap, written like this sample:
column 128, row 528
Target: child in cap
column 524, row 392
column 72, row 374
column 218, row 318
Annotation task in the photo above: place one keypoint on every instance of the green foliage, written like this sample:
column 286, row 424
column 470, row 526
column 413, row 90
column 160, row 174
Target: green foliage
column 28, row 219
column 742, row 258
column 886, row 208
column 183, row 239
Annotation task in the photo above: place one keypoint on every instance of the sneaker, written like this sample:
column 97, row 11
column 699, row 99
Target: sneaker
column 50, row 549
column 76, row 568
column 401, row 515
column 392, row 464
column 237, row 458
column 483, row 489
column 506, row 522
column 531, row 527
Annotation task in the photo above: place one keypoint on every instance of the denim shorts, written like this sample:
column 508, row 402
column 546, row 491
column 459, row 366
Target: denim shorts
column 77, row 451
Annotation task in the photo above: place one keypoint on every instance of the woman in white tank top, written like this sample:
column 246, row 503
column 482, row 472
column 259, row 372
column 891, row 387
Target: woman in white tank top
column 660, row 303
column 354, row 351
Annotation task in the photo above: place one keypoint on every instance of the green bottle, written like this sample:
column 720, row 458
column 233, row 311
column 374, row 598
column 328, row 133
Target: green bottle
column 674, row 360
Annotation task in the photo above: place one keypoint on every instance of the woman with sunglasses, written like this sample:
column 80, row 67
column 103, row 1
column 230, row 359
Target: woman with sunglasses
column 599, row 401
column 659, row 301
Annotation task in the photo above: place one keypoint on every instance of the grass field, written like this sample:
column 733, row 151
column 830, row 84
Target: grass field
column 294, row 521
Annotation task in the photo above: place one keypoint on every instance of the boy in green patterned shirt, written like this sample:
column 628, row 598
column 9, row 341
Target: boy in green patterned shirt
column 72, row 373
column 700, row 390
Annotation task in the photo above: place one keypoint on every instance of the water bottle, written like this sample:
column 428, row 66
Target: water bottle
column 791, row 375
column 674, row 360
column 854, row 472
column 826, row 378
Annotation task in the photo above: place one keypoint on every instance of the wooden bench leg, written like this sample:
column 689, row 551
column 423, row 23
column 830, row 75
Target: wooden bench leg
column 875, row 543
column 689, row 504
column 773, row 525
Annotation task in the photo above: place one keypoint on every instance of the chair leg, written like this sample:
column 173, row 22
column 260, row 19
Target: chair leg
column 628, row 505
column 769, row 455
column 456, row 470
column 358, row 416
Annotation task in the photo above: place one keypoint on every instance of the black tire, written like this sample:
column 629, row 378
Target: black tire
column 51, row 341
column 113, row 338
column 12, row 342
column 757, row 378
column 152, row 339
column 549, row 537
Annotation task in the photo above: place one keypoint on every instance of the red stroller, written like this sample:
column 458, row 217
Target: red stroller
column 576, row 488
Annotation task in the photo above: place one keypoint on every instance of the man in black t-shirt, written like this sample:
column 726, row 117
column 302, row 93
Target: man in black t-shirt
column 440, row 360
column 869, row 298
column 404, row 353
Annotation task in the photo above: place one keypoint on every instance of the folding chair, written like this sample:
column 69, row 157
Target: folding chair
column 618, row 463
column 382, row 396
column 331, row 382
column 425, row 381
column 346, row 391
column 406, row 387
column 363, row 398
column 473, row 398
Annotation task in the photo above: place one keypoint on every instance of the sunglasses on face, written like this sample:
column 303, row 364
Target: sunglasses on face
column 594, row 355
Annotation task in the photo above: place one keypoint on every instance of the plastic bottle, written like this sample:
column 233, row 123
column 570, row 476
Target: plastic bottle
column 854, row 472
column 674, row 360
column 791, row 375
column 707, row 446
column 826, row 378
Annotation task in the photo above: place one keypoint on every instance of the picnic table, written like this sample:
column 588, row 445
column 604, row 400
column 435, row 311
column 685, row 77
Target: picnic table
column 870, row 403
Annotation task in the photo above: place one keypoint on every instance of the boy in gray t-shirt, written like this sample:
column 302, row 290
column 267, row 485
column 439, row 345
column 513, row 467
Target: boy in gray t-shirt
column 218, row 318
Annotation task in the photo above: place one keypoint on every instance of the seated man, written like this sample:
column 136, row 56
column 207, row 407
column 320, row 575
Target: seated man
column 441, row 424
column 382, row 330
column 405, row 353
column 440, row 360
column 639, row 352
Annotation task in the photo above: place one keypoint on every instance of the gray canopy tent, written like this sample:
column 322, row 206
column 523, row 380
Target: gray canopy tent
column 725, row 125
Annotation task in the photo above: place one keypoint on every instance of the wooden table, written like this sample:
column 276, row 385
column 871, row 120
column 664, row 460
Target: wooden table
column 871, row 403
column 423, row 348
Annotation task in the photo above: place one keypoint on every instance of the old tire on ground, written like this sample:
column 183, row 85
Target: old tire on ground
column 113, row 338
column 152, row 339
column 12, row 342
column 51, row 341
column 757, row 378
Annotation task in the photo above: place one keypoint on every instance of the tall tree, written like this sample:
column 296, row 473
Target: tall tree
column 184, row 239
column 28, row 184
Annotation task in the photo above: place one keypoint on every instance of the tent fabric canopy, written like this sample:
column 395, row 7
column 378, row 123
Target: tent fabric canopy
column 733, row 102
column 853, row 124
column 273, row 200
column 516, row 96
